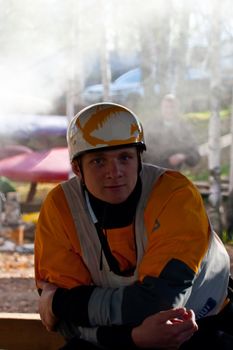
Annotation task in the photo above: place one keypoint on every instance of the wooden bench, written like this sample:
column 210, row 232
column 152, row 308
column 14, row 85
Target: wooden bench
column 204, row 188
column 20, row 331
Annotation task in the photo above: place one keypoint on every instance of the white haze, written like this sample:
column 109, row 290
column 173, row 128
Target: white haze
column 46, row 44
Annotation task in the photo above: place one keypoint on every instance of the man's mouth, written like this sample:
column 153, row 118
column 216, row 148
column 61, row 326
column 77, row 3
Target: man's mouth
column 114, row 186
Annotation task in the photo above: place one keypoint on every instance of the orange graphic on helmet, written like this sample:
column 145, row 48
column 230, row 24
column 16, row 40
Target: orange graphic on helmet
column 98, row 121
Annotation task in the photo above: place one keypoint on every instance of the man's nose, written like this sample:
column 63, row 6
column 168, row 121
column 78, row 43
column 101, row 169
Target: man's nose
column 113, row 168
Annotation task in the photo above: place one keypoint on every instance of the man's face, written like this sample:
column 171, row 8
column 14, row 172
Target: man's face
column 110, row 175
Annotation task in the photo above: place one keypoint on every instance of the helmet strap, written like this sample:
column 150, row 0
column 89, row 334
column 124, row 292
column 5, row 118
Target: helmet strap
column 78, row 159
column 139, row 152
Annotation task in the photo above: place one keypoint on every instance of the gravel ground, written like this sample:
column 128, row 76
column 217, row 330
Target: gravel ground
column 17, row 287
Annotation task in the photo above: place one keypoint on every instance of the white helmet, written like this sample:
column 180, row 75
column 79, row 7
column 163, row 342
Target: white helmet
column 103, row 125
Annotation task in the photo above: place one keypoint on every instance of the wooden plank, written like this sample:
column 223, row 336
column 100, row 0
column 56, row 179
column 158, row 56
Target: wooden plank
column 25, row 332
column 204, row 188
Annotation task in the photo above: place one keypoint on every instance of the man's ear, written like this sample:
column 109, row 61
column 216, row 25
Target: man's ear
column 76, row 169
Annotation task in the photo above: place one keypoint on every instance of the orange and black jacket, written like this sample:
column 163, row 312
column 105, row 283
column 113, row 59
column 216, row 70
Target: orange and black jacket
column 177, row 241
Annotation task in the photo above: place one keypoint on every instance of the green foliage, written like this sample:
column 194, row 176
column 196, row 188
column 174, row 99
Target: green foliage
column 198, row 116
column 42, row 190
column 225, row 170
column 205, row 115
column 203, row 174
column 226, row 239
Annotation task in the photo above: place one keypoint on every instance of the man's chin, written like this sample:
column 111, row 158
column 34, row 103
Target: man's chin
column 115, row 199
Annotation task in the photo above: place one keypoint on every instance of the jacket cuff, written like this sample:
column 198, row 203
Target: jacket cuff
column 72, row 304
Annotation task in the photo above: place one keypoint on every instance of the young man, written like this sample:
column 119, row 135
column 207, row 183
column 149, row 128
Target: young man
column 122, row 241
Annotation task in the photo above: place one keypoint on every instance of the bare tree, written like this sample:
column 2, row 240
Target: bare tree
column 180, row 51
column 215, row 198
column 105, row 66
column 163, row 48
column 231, row 153
column 229, row 206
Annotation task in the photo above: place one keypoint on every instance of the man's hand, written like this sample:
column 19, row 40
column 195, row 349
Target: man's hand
column 45, row 304
column 166, row 329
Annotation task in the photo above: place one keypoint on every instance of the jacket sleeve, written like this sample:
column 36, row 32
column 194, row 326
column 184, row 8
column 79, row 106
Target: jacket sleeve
column 177, row 241
column 57, row 250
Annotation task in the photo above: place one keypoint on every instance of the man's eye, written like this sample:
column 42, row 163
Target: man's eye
column 125, row 157
column 97, row 161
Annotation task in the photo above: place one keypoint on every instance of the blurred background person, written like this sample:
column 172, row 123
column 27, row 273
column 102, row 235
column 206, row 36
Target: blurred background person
column 171, row 141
